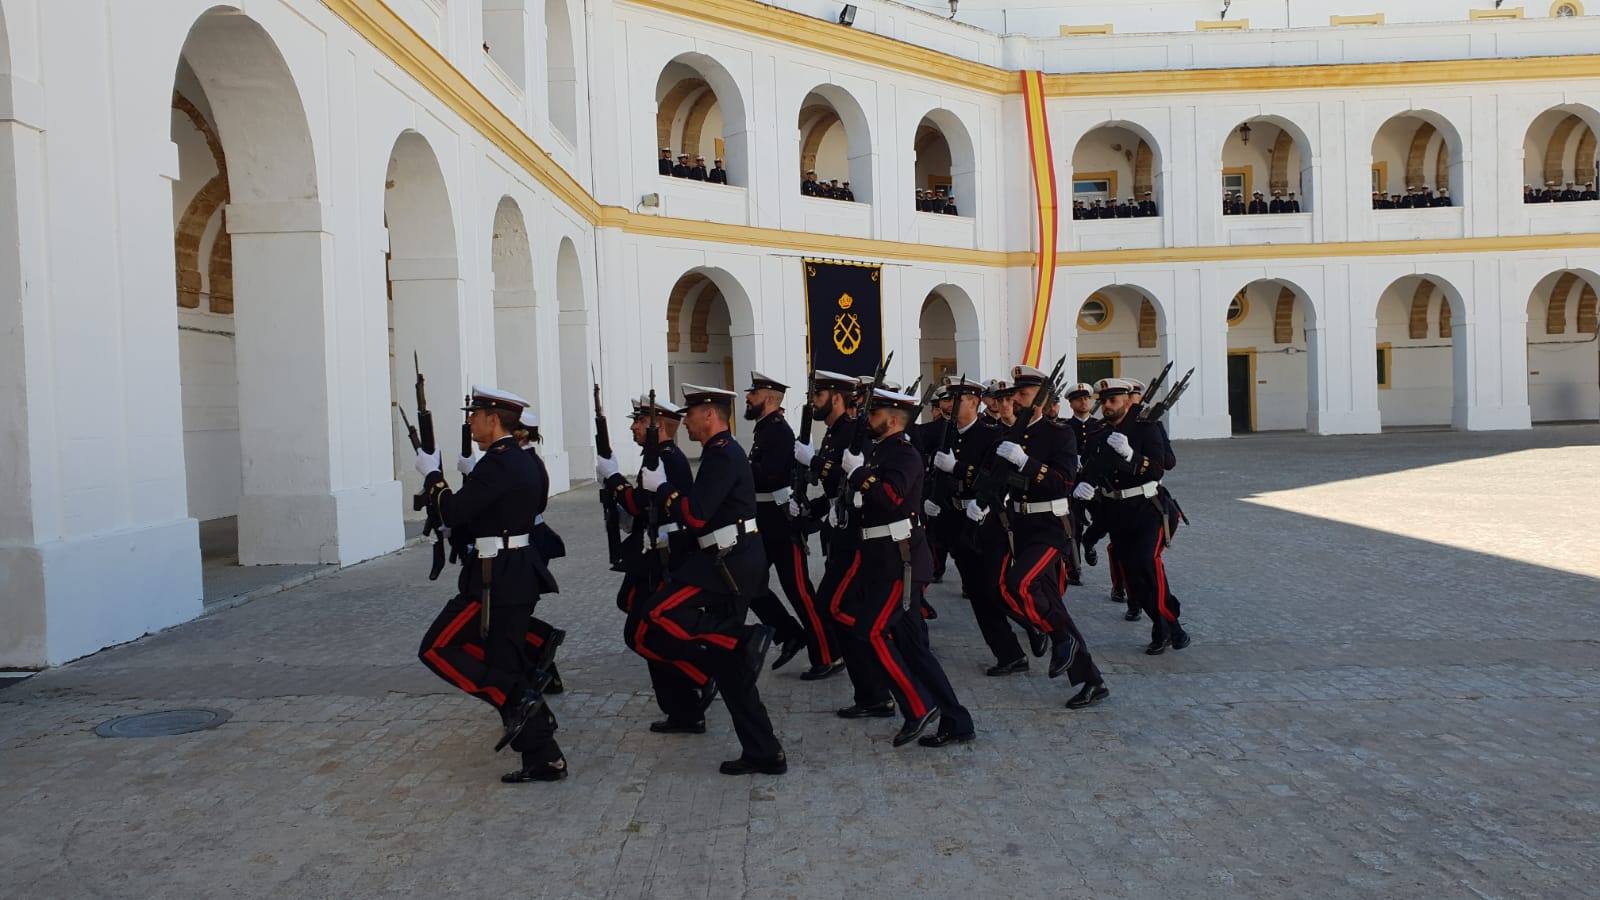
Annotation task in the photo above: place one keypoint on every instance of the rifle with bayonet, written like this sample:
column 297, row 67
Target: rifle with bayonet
column 1152, row 412
column 999, row 476
column 858, row 438
column 652, row 460
column 422, row 438
column 608, row 509
column 800, row 524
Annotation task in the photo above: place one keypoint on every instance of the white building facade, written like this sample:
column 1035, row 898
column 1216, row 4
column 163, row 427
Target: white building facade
column 224, row 231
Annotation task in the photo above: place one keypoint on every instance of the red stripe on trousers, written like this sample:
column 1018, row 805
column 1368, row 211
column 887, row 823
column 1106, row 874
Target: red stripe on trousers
column 684, row 666
column 881, row 647
column 450, row 672
column 473, row 650
column 659, row 617
column 1005, row 593
column 535, row 640
column 1027, row 582
column 838, row 593
column 810, row 606
column 1161, row 586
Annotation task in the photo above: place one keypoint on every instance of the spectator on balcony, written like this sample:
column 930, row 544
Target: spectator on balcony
column 681, row 170
column 1147, row 206
column 1258, row 205
column 1275, row 205
column 1443, row 198
column 664, row 164
column 1124, row 210
column 808, row 184
column 1292, row 204
column 939, row 200
column 717, row 175
column 950, row 206
column 1589, row 193
column 1571, row 194
column 1077, row 209
column 922, row 201
column 697, row 172
column 846, row 194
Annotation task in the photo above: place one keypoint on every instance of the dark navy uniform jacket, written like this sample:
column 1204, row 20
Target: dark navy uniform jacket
column 641, row 563
column 1151, row 453
column 500, row 497
column 772, row 467
column 973, row 450
column 722, row 494
column 889, row 484
column 550, row 545
column 825, row 468
column 1052, row 468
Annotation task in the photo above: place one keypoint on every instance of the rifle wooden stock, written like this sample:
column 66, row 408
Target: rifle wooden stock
column 608, row 510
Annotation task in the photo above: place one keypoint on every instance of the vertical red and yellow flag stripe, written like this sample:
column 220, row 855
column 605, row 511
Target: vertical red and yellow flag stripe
column 1042, row 165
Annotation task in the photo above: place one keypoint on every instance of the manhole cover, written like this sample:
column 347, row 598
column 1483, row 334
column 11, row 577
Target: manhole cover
column 164, row 723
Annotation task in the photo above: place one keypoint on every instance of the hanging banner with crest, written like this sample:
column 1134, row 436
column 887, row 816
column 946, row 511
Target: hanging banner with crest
column 844, row 315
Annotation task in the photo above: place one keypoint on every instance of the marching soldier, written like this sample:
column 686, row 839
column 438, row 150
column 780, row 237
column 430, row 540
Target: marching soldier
column 479, row 641
column 772, row 461
column 1124, row 464
column 543, row 638
column 697, row 616
column 890, row 566
column 926, row 437
column 682, row 692
column 833, row 402
column 978, row 547
column 1035, row 572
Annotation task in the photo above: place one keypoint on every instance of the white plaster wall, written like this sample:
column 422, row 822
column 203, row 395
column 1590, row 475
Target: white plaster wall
column 1563, row 368
column 1281, row 369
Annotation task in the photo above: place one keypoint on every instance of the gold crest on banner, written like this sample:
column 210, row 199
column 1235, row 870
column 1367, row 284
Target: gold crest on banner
column 846, row 327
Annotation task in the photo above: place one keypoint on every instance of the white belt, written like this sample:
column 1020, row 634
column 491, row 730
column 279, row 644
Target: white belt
column 726, row 536
column 1148, row 489
column 490, row 547
column 1058, row 507
column 899, row 530
column 661, row 532
column 781, row 495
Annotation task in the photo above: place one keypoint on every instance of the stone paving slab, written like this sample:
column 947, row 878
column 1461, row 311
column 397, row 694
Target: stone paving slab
column 1365, row 712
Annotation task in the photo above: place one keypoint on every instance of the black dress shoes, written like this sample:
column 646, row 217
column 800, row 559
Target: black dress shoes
column 941, row 738
column 1180, row 638
column 882, row 710
column 555, row 685
column 788, row 651
column 1131, row 615
column 1091, row 556
column 537, row 772
column 1061, row 658
column 1089, row 695
column 667, row 726
column 1073, row 579
column 527, row 706
column 1020, row 664
column 1038, row 641
column 817, row 673
column 914, row 727
column 1156, row 647
column 744, row 765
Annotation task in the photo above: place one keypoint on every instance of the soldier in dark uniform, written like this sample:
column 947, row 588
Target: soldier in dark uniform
column 1589, row 193
column 1275, row 205
column 996, row 399
column 1080, row 401
column 1570, row 194
column 1123, row 466
column 891, row 565
column 479, row 641
column 772, row 461
column 922, row 201
column 927, row 437
column 1147, row 206
column 697, row 172
column 664, row 164
column 950, row 206
column 681, row 170
column 683, row 692
column 808, row 184
column 833, row 399
column 698, row 615
column 1442, row 198
column 1077, row 209
column 1035, row 572
column 543, row 638
column 1257, row 205
column 717, row 175
column 846, row 194
column 978, row 546
column 1292, row 204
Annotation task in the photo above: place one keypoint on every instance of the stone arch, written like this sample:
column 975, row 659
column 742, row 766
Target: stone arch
column 573, row 325
column 247, row 452
column 959, row 158
column 1555, row 152
column 561, row 70
column 1283, row 317
column 948, row 331
column 1125, row 150
column 1121, row 344
column 698, row 105
column 1273, row 343
column 424, row 285
column 1417, row 156
column 1147, row 324
column 1285, row 162
column 1559, row 146
column 721, row 327
column 516, row 306
column 838, row 145
column 1563, row 368
column 1422, row 377
column 1411, row 144
column 1584, row 164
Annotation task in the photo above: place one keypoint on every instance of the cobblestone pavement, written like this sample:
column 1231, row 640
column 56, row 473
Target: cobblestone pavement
column 1392, row 692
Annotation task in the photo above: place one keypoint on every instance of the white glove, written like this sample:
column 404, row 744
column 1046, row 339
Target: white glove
column 604, row 468
column 652, row 479
column 794, row 510
column 1012, row 453
column 1118, row 441
column 464, row 464
column 1084, row 491
column 803, row 453
column 975, row 512
column 944, row 461
column 851, row 462
column 427, row 462
column 930, row 509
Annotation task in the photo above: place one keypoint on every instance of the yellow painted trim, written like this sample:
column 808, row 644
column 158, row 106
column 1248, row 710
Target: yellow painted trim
column 1159, row 255
column 1576, row 7
column 1249, row 174
column 1075, row 30
column 1104, row 301
column 1116, row 361
column 1380, row 168
column 819, row 244
column 1368, row 19
column 1110, row 178
column 1249, row 352
column 1510, row 12
column 1222, row 25
column 1244, row 308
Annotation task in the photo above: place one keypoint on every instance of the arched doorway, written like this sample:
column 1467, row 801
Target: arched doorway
column 1563, row 351
column 835, row 142
column 1120, row 334
column 1116, row 173
column 424, row 299
column 945, row 163
column 1269, row 357
column 516, row 309
column 1266, row 159
column 1416, row 352
column 947, row 328
column 561, row 71
column 577, row 435
column 1416, row 162
column 1558, row 156
column 709, row 335
column 253, row 365
column 699, row 112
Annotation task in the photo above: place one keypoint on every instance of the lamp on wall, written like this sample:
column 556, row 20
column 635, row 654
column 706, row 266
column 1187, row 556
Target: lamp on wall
column 953, row 4
column 1227, row 3
column 847, row 16
column 1244, row 134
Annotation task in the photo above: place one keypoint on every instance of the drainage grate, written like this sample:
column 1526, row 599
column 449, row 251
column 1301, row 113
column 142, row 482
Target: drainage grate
column 164, row 723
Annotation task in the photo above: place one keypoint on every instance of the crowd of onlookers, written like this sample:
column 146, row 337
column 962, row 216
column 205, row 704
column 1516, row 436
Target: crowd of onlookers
column 1234, row 204
column 938, row 200
column 827, row 190
column 1416, row 198
column 1116, row 209
column 1554, row 193
column 695, row 171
